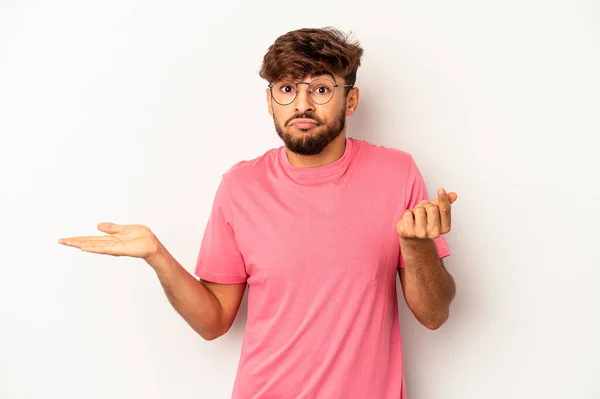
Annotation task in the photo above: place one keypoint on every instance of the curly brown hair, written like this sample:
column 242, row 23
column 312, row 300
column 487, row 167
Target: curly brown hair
column 311, row 51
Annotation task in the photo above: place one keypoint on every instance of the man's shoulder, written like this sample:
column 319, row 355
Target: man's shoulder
column 382, row 155
column 248, row 169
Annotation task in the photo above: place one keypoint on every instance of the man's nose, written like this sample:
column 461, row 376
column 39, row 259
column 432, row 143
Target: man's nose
column 303, row 102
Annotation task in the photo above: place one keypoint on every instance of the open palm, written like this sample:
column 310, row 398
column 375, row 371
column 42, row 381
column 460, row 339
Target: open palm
column 122, row 240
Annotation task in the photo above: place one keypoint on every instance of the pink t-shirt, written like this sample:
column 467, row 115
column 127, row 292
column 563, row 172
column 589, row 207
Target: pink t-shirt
column 319, row 250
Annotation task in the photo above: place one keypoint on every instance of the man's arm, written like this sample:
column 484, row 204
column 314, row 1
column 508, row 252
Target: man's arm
column 427, row 286
column 209, row 308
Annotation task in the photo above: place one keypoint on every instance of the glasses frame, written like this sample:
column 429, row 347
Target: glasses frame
column 335, row 86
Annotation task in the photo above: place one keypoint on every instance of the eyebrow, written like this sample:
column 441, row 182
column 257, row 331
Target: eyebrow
column 316, row 75
column 321, row 74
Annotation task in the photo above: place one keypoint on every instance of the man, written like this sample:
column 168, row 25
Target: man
column 317, row 229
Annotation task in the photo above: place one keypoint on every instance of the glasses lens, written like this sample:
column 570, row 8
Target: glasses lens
column 321, row 90
column 284, row 92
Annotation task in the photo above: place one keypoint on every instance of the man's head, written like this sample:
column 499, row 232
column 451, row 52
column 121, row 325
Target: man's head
column 307, row 121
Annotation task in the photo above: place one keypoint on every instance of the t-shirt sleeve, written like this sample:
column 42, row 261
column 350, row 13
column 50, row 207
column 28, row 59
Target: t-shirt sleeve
column 219, row 259
column 416, row 191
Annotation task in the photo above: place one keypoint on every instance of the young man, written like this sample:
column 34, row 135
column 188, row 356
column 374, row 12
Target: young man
column 317, row 229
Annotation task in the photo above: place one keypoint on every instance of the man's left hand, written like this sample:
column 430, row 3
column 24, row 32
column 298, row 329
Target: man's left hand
column 428, row 219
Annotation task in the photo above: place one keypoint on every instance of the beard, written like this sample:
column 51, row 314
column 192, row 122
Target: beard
column 314, row 142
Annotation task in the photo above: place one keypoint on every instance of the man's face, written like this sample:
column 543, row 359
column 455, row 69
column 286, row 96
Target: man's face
column 305, row 126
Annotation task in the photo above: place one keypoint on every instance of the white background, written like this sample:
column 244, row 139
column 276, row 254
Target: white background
column 130, row 111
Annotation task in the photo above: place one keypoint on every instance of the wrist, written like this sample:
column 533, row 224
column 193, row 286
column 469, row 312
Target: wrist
column 157, row 254
column 416, row 249
column 415, row 243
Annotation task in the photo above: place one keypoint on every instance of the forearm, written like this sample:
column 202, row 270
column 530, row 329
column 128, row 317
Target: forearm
column 428, row 287
column 192, row 300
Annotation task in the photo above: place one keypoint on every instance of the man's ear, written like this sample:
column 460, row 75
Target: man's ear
column 352, row 101
column 270, row 102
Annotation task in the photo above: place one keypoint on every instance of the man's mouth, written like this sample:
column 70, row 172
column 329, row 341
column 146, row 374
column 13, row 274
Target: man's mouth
column 303, row 123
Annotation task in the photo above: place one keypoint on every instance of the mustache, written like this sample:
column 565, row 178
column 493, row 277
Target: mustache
column 303, row 116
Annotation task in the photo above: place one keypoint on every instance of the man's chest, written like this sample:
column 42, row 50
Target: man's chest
column 325, row 234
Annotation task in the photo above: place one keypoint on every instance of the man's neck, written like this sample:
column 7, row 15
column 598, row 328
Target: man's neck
column 331, row 153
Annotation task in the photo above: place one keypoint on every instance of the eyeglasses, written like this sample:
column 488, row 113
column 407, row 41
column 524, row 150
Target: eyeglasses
column 320, row 91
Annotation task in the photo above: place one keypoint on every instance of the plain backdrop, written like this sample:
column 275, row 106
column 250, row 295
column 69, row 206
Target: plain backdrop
column 130, row 111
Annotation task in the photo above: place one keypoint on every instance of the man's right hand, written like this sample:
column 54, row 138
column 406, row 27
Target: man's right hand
column 209, row 308
column 122, row 240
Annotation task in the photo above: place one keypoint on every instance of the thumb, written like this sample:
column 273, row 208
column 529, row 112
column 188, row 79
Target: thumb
column 110, row 228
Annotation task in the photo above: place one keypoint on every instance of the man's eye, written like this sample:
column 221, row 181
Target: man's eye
column 321, row 90
column 287, row 89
